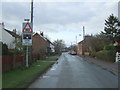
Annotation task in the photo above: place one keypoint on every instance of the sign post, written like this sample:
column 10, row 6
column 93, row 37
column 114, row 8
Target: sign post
column 27, row 37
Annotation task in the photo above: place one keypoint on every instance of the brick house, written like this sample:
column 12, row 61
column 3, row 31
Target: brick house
column 79, row 48
column 39, row 46
column 84, row 47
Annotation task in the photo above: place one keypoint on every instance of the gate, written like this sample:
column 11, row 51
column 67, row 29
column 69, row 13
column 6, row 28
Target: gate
column 117, row 56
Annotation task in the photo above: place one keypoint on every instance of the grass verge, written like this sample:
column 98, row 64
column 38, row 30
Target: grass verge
column 22, row 78
column 51, row 58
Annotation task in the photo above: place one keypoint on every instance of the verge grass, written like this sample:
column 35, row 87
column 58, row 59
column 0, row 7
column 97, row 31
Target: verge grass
column 22, row 78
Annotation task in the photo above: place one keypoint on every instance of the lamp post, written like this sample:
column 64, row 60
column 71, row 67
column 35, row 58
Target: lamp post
column 83, row 44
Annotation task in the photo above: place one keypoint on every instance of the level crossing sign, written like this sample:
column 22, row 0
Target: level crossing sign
column 27, row 34
column 27, row 27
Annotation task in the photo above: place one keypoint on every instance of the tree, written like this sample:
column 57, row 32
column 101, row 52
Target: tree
column 19, row 48
column 112, row 30
column 59, row 45
column 96, row 42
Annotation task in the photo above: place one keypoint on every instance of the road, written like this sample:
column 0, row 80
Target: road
column 74, row 72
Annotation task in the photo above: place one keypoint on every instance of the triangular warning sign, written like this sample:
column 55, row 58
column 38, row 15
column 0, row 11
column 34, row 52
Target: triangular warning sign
column 27, row 28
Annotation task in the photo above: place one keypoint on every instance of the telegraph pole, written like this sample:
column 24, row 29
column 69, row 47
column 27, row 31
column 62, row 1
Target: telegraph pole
column 32, row 12
column 83, row 45
column 76, row 39
column 83, row 32
column 32, row 28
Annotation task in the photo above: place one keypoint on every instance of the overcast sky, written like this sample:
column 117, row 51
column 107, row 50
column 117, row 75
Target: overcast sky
column 60, row 20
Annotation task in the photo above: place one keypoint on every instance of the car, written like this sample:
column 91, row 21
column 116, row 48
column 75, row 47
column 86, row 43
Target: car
column 73, row 53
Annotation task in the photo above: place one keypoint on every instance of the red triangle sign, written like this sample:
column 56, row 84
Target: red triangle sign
column 27, row 28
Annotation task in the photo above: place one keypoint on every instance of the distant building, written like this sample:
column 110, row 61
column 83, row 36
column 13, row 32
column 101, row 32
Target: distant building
column 50, row 47
column 8, row 37
column 84, row 47
column 80, row 48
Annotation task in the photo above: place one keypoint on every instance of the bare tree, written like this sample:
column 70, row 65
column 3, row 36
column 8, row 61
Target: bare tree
column 59, row 45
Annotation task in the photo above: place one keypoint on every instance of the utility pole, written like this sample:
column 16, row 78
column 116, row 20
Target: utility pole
column 83, row 45
column 32, row 12
column 76, row 40
column 83, row 32
column 32, row 28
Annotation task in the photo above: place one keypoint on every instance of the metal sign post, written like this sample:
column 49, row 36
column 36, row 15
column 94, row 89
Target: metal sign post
column 27, row 56
column 27, row 37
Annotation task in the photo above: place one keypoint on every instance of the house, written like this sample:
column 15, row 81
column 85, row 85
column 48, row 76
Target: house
column 50, row 46
column 39, row 46
column 80, row 48
column 8, row 37
column 84, row 47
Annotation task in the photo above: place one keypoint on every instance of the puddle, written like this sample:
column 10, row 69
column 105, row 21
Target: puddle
column 45, row 76
column 53, row 68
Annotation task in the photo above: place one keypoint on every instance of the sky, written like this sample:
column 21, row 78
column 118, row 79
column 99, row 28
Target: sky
column 60, row 19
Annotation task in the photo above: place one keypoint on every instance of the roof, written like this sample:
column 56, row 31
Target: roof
column 49, row 41
column 12, row 33
column 43, row 38
column 80, row 42
column 85, row 38
column 40, row 36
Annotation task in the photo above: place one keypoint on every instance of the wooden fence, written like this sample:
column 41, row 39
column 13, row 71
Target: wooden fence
column 12, row 62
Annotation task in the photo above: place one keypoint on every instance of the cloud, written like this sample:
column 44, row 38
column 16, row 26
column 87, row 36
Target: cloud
column 61, row 13
column 14, row 13
column 60, row 19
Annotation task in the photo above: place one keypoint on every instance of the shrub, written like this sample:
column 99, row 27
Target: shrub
column 93, row 53
column 109, row 47
column 107, row 55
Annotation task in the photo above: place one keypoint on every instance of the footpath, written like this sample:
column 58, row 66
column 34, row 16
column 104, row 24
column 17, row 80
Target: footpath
column 112, row 67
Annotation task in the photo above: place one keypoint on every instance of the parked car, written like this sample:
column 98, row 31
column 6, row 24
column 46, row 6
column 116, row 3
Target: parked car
column 73, row 53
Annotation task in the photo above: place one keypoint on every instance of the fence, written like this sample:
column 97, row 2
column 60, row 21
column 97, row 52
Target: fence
column 12, row 62
column 117, row 56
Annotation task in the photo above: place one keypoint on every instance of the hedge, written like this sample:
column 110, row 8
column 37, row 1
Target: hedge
column 107, row 55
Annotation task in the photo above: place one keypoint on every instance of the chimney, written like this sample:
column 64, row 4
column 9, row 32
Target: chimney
column 3, row 24
column 14, row 30
column 41, row 33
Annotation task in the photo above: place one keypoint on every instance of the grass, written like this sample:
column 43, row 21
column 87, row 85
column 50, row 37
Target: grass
column 22, row 78
column 51, row 58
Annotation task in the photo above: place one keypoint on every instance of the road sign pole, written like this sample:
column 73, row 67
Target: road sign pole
column 27, row 56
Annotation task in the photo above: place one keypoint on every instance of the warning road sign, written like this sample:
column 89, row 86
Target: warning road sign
column 27, row 34
column 27, row 27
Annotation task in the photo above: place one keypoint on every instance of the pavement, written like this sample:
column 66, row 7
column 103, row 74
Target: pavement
column 110, row 66
column 76, row 72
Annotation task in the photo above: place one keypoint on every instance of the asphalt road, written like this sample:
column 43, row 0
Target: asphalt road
column 74, row 72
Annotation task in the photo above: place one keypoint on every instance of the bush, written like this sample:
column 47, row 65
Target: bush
column 109, row 47
column 107, row 55
column 93, row 53
column 4, row 49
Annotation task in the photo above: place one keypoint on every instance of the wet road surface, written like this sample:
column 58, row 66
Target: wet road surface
column 74, row 72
